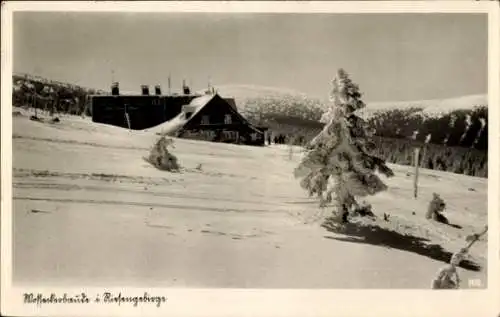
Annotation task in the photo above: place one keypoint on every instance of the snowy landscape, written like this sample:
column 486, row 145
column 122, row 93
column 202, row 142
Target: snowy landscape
column 250, row 150
column 89, row 210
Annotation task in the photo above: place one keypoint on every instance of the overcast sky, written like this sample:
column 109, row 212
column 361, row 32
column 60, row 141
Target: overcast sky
column 391, row 56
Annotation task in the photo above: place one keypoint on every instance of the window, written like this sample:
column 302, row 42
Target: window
column 227, row 119
column 205, row 119
column 230, row 135
column 208, row 134
column 188, row 115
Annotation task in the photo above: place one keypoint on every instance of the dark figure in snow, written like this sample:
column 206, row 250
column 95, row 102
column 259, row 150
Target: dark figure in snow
column 282, row 139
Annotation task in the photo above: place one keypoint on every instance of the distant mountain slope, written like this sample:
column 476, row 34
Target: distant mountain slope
column 460, row 121
column 261, row 103
column 243, row 92
column 435, row 107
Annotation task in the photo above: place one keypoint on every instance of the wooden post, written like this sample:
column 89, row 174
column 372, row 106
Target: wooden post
column 415, row 181
column 290, row 151
column 33, row 102
column 423, row 156
column 128, row 119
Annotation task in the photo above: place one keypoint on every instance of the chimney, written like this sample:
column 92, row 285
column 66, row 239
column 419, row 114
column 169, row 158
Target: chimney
column 145, row 90
column 185, row 89
column 158, row 90
column 115, row 89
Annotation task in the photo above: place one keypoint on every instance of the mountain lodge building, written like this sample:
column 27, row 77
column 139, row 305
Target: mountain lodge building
column 207, row 117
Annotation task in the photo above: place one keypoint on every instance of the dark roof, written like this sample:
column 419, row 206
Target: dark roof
column 197, row 104
column 135, row 94
column 231, row 101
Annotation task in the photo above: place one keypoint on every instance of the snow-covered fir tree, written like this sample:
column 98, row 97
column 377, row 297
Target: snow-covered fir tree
column 339, row 164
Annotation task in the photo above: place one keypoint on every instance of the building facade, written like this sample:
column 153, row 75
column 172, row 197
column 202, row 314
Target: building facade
column 139, row 111
column 213, row 118
column 207, row 117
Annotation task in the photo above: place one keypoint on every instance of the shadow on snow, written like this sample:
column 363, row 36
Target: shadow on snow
column 376, row 235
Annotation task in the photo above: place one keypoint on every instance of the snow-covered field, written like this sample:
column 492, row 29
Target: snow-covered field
column 88, row 210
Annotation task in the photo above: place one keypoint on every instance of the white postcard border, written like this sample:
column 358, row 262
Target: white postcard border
column 228, row 302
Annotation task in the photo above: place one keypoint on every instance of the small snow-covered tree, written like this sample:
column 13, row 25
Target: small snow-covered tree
column 161, row 158
column 339, row 164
